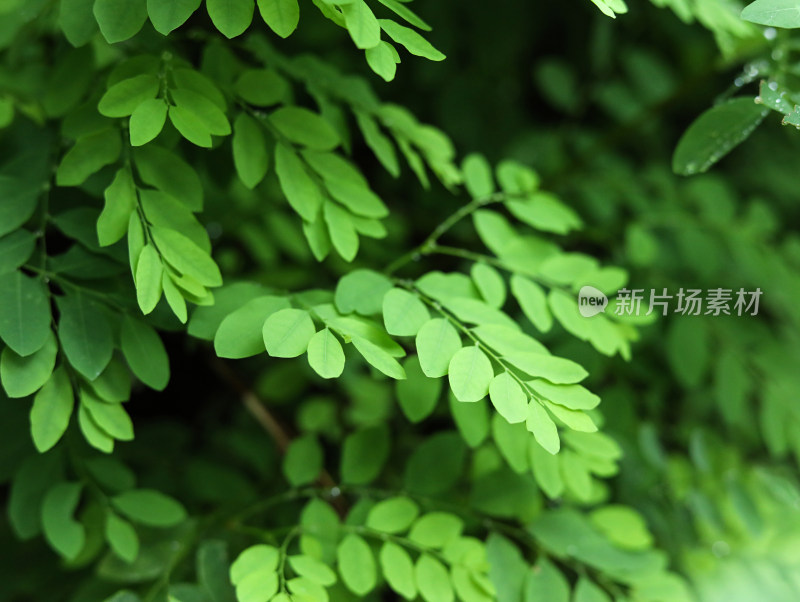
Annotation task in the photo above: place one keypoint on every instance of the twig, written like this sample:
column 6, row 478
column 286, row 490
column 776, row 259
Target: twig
column 272, row 426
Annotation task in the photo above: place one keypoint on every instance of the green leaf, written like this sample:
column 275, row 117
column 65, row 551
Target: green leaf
column 574, row 419
column 122, row 538
column 380, row 59
column 249, row 150
column 317, row 236
column 545, row 212
column 186, row 257
column 168, row 16
column 23, row 376
column 15, row 249
column 341, row 230
column 361, row 291
column 401, row 10
column 206, row 320
column 576, row 475
column 574, row 397
column 532, row 300
column 470, row 373
column 546, row 470
column 305, row 127
column 356, row 565
column 412, row 41
column 356, row 327
column 202, row 110
column 587, row 591
column 306, row 589
column 437, row 342
column 212, row 567
column 715, row 133
column 120, row 203
column 175, row 298
column 478, row 176
column 85, row 334
column 32, row 479
column 20, row 199
column 507, row 568
column 165, row 211
column 312, row 569
column 774, row 13
column 89, row 155
column 474, row 311
column 149, row 272
column 303, row 461
column 120, row 19
column 417, row 394
column 472, row 420
column 623, row 526
column 555, row 369
column 364, row 454
column 261, row 87
column 436, row 529
column 254, row 559
column 114, row 384
column 346, row 184
column 190, row 126
column 430, row 478
column 258, row 586
column 361, row 23
column 111, row 474
column 121, row 99
column 94, row 435
column 287, row 332
column 51, row 411
column 77, row 21
column 508, row 398
column 147, row 121
column 433, row 580
column 240, row 334
column 545, row 583
column 489, row 283
column 281, row 16
column 145, row 353
column 379, row 358
column 594, row 444
column 398, row 570
column 471, row 586
column 325, row 354
column 512, row 440
column 543, row 427
column 300, row 190
column 62, row 531
column 403, row 313
column 393, row 515
column 169, row 173
column 149, row 507
column 378, row 142
column 231, row 17
column 110, row 417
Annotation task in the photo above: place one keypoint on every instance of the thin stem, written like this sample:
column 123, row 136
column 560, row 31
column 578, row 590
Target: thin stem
column 283, row 555
column 427, row 245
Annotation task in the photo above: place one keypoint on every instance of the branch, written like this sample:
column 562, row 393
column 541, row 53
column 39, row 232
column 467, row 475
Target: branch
column 256, row 408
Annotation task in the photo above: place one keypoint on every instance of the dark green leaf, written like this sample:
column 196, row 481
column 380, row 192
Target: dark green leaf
column 715, row 133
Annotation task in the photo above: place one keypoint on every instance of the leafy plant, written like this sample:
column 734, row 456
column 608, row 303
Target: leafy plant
column 206, row 203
